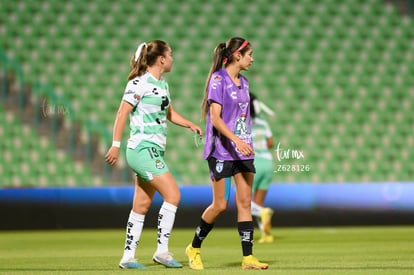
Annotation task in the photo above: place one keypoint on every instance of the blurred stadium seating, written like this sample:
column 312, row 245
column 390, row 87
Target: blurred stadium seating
column 338, row 74
column 30, row 160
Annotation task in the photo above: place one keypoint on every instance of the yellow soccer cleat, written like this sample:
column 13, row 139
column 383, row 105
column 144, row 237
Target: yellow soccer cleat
column 266, row 217
column 194, row 258
column 266, row 238
column 251, row 262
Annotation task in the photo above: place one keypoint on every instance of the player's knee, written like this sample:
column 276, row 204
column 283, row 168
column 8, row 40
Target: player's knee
column 173, row 198
column 245, row 203
column 220, row 207
column 141, row 206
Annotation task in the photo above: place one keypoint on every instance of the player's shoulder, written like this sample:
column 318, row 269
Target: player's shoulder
column 217, row 76
column 137, row 82
column 220, row 78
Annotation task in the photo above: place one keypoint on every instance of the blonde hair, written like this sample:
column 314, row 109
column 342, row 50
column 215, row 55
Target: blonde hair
column 147, row 57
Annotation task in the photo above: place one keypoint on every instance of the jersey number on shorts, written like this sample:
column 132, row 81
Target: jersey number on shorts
column 153, row 152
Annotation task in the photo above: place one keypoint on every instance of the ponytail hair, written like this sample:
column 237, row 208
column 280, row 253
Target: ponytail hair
column 218, row 57
column 223, row 55
column 146, row 56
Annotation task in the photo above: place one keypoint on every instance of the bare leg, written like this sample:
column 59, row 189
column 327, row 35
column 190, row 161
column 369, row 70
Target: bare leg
column 219, row 204
column 143, row 195
column 166, row 185
column 244, row 183
column 259, row 197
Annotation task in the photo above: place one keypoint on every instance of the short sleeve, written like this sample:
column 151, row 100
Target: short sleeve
column 215, row 89
column 133, row 92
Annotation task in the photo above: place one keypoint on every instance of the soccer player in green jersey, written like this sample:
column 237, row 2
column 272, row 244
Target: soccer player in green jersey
column 146, row 101
column 263, row 161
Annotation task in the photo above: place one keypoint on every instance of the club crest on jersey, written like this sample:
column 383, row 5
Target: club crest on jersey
column 159, row 164
column 243, row 106
column 217, row 77
column 219, row 166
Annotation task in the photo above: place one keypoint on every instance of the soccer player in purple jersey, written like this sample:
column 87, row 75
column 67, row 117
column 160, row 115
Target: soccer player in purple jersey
column 229, row 147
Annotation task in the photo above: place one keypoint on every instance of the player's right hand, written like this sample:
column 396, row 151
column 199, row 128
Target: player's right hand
column 244, row 148
column 112, row 156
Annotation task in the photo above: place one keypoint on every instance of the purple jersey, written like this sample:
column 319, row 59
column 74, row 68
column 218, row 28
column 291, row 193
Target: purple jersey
column 235, row 113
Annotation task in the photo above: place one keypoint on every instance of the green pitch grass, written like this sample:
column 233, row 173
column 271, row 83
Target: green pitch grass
column 344, row 250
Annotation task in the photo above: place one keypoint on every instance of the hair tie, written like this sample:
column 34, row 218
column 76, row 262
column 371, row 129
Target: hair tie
column 138, row 51
column 226, row 52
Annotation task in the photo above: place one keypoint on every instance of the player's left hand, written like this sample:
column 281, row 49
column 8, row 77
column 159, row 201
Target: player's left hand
column 196, row 129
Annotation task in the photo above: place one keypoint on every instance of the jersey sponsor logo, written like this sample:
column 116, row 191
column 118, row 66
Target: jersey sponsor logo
column 233, row 95
column 165, row 102
column 129, row 92
column 241, row 126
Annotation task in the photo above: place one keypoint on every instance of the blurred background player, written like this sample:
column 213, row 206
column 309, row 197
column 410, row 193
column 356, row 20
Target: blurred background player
column 263, row 161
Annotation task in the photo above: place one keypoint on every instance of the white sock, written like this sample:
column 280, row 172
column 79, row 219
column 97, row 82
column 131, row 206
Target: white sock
column 133, row 234
column 166, row 218
column 259, row 223
column 256, row 209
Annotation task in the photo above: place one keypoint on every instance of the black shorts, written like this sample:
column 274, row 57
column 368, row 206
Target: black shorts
column 226, row 168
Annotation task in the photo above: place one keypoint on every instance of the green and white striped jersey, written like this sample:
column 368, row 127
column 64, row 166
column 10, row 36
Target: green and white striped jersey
column 261, row 131
column 148, row 119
